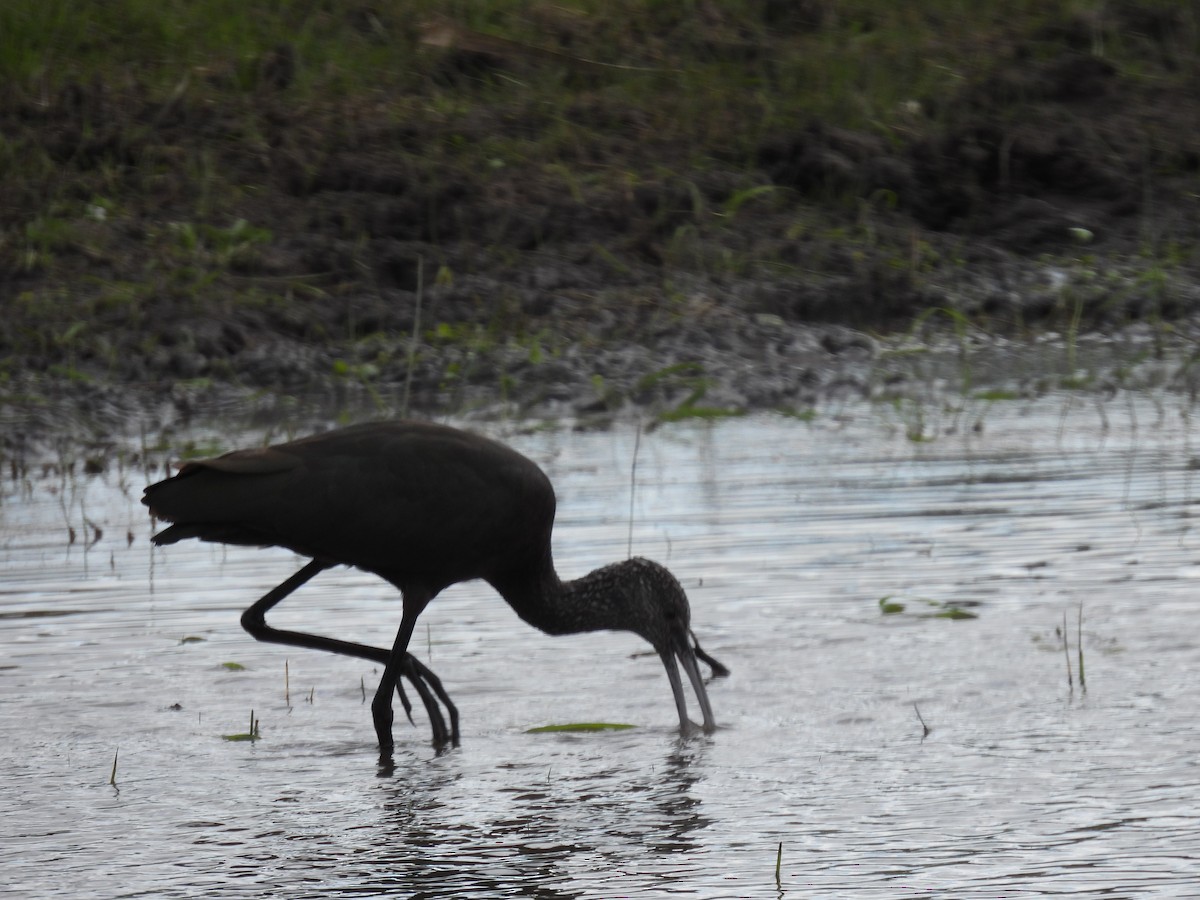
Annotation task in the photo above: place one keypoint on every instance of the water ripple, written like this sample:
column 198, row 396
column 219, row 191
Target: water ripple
column 787, row 535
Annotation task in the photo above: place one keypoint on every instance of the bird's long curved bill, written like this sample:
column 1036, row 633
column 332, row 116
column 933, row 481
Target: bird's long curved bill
column 687, row 658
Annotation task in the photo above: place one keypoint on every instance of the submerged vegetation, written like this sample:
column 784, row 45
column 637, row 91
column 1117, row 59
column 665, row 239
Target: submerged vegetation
column 934, row 609
column 499, row 198
column 575, row 727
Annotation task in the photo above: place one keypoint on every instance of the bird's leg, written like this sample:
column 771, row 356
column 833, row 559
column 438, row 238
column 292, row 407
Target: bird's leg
column 381, row 705
column 254, row 620
column 419, row 675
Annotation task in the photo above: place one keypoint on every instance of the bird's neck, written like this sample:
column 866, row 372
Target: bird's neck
column 548, row 603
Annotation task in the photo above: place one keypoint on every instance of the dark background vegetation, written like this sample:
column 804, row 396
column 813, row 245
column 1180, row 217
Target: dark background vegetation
column 285, row 194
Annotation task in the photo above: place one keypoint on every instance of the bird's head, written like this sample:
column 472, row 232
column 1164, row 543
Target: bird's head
column 652, row 603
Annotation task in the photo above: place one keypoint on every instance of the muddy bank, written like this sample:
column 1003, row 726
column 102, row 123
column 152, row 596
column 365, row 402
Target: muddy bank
column 227, row 243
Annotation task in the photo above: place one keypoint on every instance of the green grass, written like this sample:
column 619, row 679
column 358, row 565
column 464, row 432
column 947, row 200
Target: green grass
column 163, row 42
column 154, row 190
column 722, row 77
column 993, row 395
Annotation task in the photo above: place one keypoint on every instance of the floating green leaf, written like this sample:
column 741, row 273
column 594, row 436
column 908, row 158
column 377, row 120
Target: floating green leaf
column 889, row 607
column 954, row 612
column 233, row 666
column 580, row 726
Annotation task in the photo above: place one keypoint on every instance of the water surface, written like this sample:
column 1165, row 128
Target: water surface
column 787, row 536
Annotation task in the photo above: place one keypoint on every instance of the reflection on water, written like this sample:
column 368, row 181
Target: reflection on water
column 787, row 536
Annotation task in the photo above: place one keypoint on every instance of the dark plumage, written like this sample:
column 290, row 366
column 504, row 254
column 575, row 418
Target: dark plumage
column 423, row 506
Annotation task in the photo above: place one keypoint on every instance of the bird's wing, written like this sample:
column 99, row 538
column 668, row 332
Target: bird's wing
column 398, row 499
column 259, row 461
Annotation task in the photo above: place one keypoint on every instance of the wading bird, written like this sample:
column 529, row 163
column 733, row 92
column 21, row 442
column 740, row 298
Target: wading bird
column 423, row 506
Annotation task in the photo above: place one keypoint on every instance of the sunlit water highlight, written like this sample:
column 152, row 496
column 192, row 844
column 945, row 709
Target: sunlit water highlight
column 787, row 535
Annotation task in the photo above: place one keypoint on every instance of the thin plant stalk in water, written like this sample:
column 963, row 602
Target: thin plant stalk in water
column 416, row 335
column 925, row 729
column 1067, row 654
column 1079, row 652
column 1079, row 641
column 637, row 443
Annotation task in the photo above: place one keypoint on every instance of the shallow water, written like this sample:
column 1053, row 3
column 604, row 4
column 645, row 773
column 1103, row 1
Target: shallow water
column 787, row 535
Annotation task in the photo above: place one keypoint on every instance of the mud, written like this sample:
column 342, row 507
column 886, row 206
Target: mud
column 1054, row 194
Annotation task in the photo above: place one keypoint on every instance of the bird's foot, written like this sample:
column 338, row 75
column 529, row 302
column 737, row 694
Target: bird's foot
column 429, row 689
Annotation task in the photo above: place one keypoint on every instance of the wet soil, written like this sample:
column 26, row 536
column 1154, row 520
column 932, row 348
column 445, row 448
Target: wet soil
column 186, row 248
